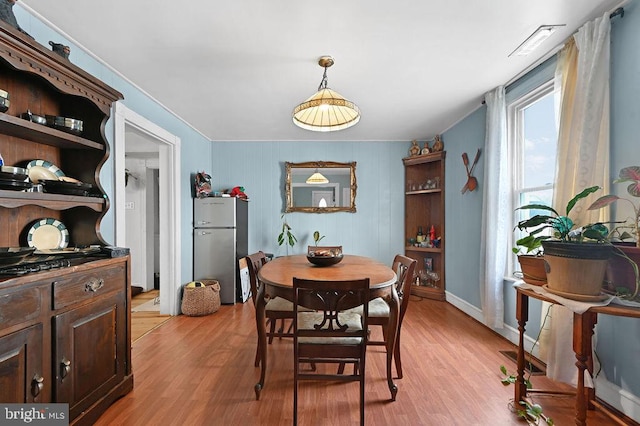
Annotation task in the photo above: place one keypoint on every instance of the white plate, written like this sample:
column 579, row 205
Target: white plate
column 48, row 234
column 43, row 170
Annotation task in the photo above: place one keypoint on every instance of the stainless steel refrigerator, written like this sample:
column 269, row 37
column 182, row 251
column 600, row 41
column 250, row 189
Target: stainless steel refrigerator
column 219, row 240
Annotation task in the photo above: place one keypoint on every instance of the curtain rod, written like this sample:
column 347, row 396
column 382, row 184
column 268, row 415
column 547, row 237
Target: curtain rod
column 617, row 12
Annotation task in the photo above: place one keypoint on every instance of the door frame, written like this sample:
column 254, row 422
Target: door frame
column 169, row 198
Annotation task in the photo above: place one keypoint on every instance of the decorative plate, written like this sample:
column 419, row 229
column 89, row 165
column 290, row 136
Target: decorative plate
column 48, row 234
column 43, row 170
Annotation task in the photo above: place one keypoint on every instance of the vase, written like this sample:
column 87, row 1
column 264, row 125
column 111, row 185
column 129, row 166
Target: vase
column 576, row 270
column 533, row 270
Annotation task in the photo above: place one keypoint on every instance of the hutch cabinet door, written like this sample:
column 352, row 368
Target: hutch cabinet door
column 89, row 352
column 21, row 374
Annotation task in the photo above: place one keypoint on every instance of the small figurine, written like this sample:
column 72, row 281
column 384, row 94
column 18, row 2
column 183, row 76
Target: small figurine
column 415, row 149
column 60, row 49
column 437, row 144
column 426, row 149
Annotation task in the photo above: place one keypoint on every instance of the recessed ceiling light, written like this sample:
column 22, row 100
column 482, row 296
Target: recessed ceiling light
column 536, row 39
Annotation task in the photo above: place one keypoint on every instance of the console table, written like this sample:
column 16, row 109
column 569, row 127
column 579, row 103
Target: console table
column 583, row 325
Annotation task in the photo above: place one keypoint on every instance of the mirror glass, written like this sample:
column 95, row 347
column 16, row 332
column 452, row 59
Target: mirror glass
column 333, row 190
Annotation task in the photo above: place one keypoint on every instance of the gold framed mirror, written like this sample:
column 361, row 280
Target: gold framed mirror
column 320, row 187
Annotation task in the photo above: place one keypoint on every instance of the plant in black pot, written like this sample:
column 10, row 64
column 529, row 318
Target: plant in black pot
column 575, row 257
column 622, row 273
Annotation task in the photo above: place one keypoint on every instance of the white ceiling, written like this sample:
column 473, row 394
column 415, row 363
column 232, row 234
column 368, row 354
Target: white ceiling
column 234, row 70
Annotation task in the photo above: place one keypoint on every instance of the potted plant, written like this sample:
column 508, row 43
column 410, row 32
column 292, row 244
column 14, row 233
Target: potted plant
column 531, row 261
column 622, row 271
column 575, row 257
column 286, row 236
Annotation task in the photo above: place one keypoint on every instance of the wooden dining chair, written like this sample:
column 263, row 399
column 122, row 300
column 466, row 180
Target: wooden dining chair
column 327, row 335
column 276, row 308
column 379, row 311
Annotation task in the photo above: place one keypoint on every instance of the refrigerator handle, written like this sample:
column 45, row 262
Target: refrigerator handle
column 203, row 222
column 205, row 233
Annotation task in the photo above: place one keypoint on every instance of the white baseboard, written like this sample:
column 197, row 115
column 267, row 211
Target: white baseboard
column 621, row 400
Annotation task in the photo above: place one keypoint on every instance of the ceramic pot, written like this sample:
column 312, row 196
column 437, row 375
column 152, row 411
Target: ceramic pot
column 576, row 270
column 620, row 272
column 533, row 271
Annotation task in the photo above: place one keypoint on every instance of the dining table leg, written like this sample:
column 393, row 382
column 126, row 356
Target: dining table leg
column 262, row 338
column 394, row 308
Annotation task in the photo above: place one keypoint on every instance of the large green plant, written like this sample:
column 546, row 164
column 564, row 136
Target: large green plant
column 563, row 227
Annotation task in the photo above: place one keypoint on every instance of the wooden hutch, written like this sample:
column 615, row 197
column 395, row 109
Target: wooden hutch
column 64, row 332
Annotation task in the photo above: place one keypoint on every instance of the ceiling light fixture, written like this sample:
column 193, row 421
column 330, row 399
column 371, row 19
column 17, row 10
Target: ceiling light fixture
column 326, row 110
column 317, row 178
column 536, row 39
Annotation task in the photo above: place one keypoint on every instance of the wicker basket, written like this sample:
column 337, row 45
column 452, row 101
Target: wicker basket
column 198, row 301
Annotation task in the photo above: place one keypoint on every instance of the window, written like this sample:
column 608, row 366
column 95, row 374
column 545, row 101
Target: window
column 533, row 139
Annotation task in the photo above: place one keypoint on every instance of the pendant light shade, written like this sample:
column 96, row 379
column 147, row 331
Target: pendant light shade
column 326, row 110
column 317, row 178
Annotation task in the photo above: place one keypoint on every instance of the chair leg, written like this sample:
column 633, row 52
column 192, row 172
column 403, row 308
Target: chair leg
column 272, row 330
column 396, row 355
column 256, row 362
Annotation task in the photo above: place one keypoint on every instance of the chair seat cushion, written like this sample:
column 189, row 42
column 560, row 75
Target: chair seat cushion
column 282, row 305
column 307, row 320
column 378, row 308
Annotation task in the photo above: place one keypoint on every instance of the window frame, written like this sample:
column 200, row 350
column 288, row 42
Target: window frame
column 516, row 141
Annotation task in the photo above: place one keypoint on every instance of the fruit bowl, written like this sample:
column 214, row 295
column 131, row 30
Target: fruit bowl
column 325, row 255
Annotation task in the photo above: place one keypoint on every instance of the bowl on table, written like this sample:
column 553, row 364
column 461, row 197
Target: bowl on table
column 324, row 255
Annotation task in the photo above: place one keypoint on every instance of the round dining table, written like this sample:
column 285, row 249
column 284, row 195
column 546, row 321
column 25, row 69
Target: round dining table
column 276, row 280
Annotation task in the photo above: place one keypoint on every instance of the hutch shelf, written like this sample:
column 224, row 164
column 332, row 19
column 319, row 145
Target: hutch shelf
column 424, row 222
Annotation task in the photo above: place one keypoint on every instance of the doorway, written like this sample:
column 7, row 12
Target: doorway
column 141, row 140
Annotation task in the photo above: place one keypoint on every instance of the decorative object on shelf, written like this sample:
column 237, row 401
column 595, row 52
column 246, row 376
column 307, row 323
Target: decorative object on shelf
column 7, row 15
column 415, row 148
column 326, row 110
column 34, row 118
column 60, row 49
column 438, row 145
column 69, row 125
column 4, row 100
column 14, row 255
column 425, row 149
column 48, row 234
column 324, row 256
column 43, row 170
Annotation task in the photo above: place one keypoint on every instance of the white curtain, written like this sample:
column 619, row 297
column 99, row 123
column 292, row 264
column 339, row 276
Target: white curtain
column 583, row 158
column 493, row 251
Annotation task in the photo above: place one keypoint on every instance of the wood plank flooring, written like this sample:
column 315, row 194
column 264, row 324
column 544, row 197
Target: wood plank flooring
column 143, row 322
column 199, row 371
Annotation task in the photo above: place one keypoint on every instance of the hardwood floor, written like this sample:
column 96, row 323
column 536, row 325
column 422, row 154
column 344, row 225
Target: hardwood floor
column 145, row 321
column 199, row 371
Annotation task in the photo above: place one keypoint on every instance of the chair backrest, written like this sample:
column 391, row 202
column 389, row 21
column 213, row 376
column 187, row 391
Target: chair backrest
column 405, row 268
column 330, row 298
column 254, row 263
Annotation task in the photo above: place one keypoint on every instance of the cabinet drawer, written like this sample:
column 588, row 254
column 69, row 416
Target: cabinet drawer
column 19, row 306
column 84, row 286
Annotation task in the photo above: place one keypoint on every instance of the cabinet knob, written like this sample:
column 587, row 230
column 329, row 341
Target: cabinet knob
column 37, row 384
column 65, row 368
column 94, row 285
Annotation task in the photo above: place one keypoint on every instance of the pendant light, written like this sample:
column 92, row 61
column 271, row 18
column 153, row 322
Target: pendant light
column 326, row 110
column 316, row 179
